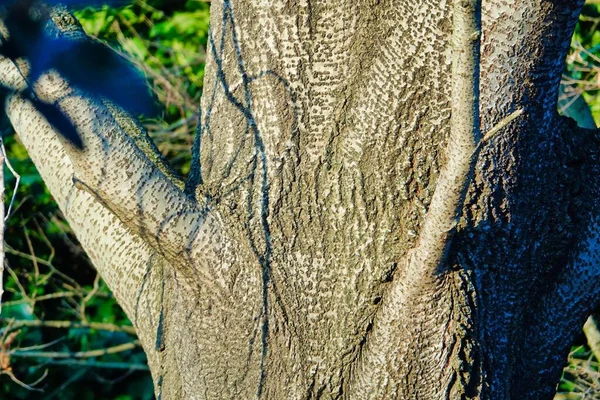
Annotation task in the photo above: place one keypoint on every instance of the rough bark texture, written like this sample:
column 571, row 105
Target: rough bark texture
column 285, row 266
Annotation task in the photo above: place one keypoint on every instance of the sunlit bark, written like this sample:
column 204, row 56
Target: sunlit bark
column 360, row 222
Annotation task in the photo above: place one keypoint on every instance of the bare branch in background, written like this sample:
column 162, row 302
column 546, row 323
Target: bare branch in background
column 78, row 354
column 16, row 324
column 101, row 364
column 2, row 220
column 17, row 177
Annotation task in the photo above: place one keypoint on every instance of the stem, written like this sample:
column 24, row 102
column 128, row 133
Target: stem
column 447, row 201
column 16, row 324
column 424, row 262
column 79, row 354
column 592, row 334
column 2, row 221
column 100, row 364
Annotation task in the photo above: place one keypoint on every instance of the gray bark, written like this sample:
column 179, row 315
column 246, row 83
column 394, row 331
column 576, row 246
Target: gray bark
column 311, row 253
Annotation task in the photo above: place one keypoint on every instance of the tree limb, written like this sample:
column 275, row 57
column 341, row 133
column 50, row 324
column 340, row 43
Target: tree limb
column 118, row 254
column 124, row 181
column 141, row 191
column 426, row 260
column 125, row 240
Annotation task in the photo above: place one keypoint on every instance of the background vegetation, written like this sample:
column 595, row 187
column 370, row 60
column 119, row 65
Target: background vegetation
column 62, row 334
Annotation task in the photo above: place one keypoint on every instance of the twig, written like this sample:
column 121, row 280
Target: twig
column 56, row 295
column 36, row 268
column 592, row 334
column 16, row 324
column 100, row 364
column 15, row 277
column 46, row 240
column 78, row 354
column 17, row 177
column 38, row 346
column 50, row 296
column 3, row 221
column 504, row 122
column 88, row 297
column 23, row 384
column 48, row 264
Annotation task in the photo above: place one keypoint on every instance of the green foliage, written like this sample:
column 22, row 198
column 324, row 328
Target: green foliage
column 583, row 62
column 581, row 376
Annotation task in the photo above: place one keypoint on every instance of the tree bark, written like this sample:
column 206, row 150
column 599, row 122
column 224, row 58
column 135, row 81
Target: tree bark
column 352, row 226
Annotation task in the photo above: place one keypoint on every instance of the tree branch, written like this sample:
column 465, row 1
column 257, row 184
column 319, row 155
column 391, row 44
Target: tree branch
column 121, row 176
column 77, row 354
column 426, row 260
column 444, row 211
column 2, row 218
column 559, row 312
column 592, row 334
column 99, row 364
column 131, row 216
column 120, row 256
column 17, row 324
column 143, row 141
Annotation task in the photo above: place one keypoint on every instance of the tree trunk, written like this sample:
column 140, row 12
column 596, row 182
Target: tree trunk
column 352, row 227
